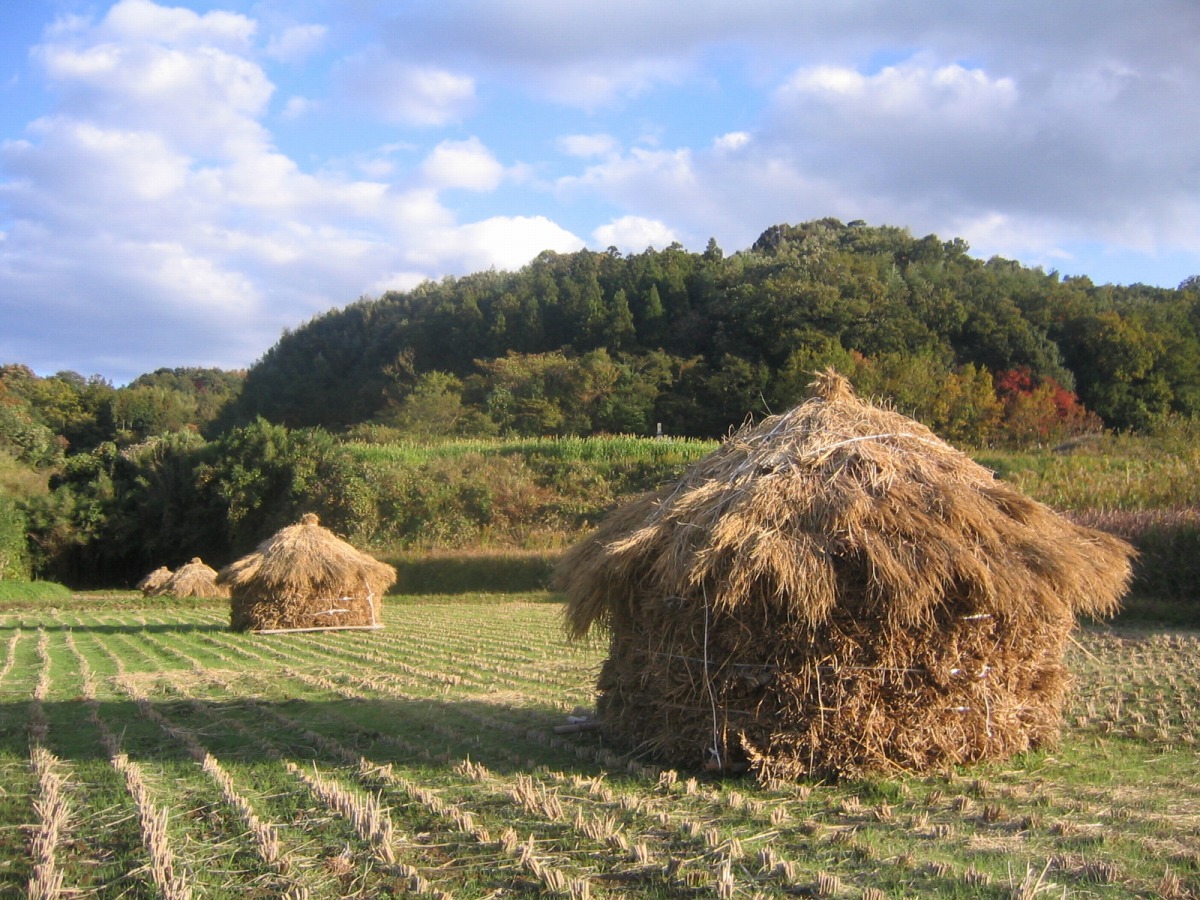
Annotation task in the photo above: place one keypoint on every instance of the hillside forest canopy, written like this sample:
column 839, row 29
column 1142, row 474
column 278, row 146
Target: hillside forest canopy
column 98, row 481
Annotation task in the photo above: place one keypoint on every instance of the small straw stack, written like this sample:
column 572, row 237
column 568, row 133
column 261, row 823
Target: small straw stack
column 195, row 579
column 155, row 584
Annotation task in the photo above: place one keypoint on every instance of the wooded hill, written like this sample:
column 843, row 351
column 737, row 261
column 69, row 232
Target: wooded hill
column 600, row 342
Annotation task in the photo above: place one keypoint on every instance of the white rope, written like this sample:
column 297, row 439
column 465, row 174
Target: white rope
column 772, row 667
column 817, row 451
column 712, row 698
column 333, row 611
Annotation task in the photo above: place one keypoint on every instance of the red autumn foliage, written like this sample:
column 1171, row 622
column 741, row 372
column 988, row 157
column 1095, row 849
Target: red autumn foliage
column 1040, row 410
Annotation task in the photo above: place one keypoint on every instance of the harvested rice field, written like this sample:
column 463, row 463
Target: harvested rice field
column 148, row 751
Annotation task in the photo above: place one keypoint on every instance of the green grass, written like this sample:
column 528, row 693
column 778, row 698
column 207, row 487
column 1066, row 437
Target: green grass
column 1110, row 473
column 447, row 717
column 21, row 592
column 618, row 448
column 1107, row 474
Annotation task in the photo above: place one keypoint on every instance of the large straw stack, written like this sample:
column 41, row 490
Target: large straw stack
column 836, row 591
column 195, row 579
column 305, row 577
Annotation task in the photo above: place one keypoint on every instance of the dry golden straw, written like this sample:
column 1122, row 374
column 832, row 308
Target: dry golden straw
column 195, row 579
column 155, row 584
column 834, row 591
column 305, row 577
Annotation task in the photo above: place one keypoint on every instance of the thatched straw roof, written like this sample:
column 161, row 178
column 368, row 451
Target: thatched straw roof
column 155, row 584
column 304, row 576
column 195, row 579
column 836, row 590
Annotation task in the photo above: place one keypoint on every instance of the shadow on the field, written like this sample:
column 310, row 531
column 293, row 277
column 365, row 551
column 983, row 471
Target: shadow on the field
column 425, row 733
column 150, row 628
column 448, row 572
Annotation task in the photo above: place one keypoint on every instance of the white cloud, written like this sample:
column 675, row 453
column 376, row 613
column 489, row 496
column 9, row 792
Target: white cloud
column 671, row 186
column 419, row 212
column 200, row 283
column 203, row 240
column 376, row 167
column 997, row 233
column 579, row 55
column 634, row 234
column 591, row 85
column 827, row 80
column 587, row 145
column 690, row 196
column 1066, row 112
column 462, row 164
column 404, row 93
column 936, row 145
column 96, row 302
column 142, row 20
column 296, row 42
column 86, row 163
column 297, row 107
column 508, row 242
column 673, row 170
column 1032, row 131
column 140, row 86
column 734, row 140
column 396, row 281
column 910, row 96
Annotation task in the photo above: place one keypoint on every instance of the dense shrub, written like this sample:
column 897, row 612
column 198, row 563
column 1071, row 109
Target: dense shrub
column 457, row 501
column 264, row 477
column 14, row 557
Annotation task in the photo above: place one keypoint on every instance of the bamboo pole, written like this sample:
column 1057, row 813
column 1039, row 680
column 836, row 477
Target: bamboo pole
column 319, row 628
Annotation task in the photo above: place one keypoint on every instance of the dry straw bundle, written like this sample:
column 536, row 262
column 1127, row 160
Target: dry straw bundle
column 155, row 584
column 305, row 577
column 836, row 591
column 195, row 579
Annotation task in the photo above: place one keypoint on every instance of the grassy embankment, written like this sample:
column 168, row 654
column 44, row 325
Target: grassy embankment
column 19, row 592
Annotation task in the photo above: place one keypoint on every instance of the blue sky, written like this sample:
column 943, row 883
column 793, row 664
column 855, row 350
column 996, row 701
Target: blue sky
column 181, row 182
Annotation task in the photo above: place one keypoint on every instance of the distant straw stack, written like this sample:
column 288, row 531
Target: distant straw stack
column 305, row 577
column 155, row 584
column 195, row 579
column 832, row 592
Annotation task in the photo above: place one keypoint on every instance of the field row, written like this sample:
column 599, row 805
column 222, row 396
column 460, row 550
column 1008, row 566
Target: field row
column 154, row 753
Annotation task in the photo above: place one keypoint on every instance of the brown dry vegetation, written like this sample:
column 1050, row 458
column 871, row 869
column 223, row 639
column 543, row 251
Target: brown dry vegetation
column 194, row 579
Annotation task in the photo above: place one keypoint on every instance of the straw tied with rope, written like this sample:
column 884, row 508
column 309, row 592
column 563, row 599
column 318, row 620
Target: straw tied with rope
column 305, row 578
column 836, row 591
